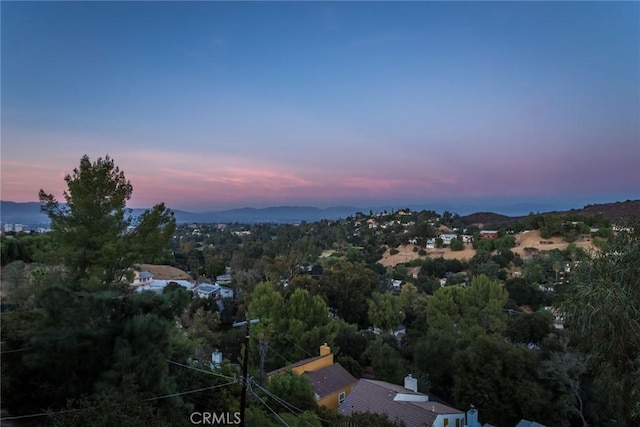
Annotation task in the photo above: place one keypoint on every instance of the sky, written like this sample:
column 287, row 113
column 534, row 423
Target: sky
column 216, row 105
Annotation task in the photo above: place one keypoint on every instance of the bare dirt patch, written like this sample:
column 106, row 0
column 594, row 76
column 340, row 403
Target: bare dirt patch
column 165, row 272
column 530, row 239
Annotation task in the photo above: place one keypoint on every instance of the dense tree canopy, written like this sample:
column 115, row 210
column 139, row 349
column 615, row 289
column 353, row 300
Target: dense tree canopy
column 96, row 237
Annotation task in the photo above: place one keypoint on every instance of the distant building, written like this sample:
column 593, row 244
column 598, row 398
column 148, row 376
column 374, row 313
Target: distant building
column 224, row 279
column 142, row 278
column 447, row 238
column 488, row 234
column 207, row 290
column 158, row 286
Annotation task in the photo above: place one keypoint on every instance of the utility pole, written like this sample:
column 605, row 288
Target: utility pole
column 264, row 345
column 245, row 366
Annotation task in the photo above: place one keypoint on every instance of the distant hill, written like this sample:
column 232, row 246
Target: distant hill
column 489, row 219
column 614, row 212
column 29, row 213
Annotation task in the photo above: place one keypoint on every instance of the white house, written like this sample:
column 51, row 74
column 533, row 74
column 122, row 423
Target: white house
column 447, row 238
column 158, row 286
column 207, row 290
column 142, row 278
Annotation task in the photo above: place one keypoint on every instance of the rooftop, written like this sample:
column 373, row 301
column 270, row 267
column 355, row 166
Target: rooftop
column 330, row 379
column 397, row 402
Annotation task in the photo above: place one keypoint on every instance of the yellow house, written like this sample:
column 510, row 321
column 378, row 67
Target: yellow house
column 331, row 382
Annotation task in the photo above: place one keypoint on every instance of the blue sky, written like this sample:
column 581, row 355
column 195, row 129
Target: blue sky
column 212, row 105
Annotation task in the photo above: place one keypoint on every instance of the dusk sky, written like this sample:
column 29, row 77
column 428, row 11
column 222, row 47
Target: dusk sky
column 214, row 105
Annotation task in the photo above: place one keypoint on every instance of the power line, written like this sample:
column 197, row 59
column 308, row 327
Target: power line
column 303, row 350
column 281, row 401
column 17, row 417
column 191, row 391
column 203, row 370
column 286, row 404
column 265, row 404
column 15, row 351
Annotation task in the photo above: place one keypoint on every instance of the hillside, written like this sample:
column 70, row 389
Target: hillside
column 524, row 243
column 614, row 212
column 30, row 214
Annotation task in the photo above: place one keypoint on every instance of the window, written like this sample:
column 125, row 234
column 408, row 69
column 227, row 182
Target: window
column 341, row 397
column 446, row 422
column 457, row 422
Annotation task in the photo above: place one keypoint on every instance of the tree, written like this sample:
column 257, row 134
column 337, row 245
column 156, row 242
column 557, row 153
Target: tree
column 500, row 380
column 470, row 311
column 385, row 311
column 564, row 373
column 601, row 310
column 92, row 230
column 348, row 286
column 297, row 390
column 84, row 329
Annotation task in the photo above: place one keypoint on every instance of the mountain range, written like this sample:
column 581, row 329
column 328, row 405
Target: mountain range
column 29, row 213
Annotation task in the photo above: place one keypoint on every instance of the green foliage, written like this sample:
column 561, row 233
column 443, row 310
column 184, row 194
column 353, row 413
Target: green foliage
column 294, row 389
column 122, row 406
column 388, row 364
column 601, row 309
column 468, row 311
column 81, row 330
column 91, row 231
column 385, row 311
column 524, row 293
column 456, row 244
column 348, row 287
column 500, row 380
column 529, row 328
column 565, row 374
column 296, row 327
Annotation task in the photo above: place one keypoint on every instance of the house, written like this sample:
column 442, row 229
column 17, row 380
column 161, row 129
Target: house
column 396, row 284
column 431, row 243
column 401, row 403
column 447, row 238
column 142, row 278
column 207, row 290
column 331, row 382
column 488, row 234
column 158, row 286
column 467, row 238
column 224, row 279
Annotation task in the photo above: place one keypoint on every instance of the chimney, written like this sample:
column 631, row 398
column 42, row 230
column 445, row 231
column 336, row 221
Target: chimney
column 472, row 417
column 325, row 350
column 411, row 383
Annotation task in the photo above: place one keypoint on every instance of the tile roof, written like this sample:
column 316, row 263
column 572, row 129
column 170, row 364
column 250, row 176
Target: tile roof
column 378, row 396
column 330, row 379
